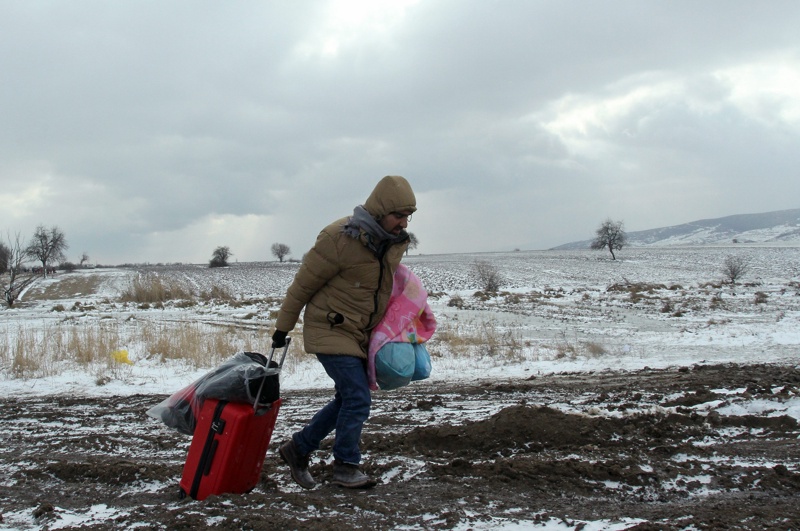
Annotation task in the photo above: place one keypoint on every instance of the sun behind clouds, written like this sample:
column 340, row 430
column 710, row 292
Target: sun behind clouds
column 349, row 23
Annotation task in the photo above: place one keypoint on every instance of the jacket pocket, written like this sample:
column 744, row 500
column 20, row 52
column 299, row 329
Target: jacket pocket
column 335, row 318
column 344, row 319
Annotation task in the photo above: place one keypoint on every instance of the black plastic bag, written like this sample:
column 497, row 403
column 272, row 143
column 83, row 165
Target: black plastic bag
column 240, row 379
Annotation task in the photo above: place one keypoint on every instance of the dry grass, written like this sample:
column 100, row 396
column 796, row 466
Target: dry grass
column 595, row 349
column 149, row 288
column 45, row 352
column 68, row 286
column 33, row 351
column 566, row 347
column 479, row 339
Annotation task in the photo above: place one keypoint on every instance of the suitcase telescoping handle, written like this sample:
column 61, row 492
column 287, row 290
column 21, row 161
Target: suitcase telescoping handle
column 270, row 371
column 273, row 370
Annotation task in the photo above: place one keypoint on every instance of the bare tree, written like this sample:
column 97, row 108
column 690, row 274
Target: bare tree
column 610, row 235
column 413, row 242
column 84, row 259
column 488, row 275
column 734, row 268
column 220, row 257
column 5, row 254
column 280, row 251
column 47, row 246
column 17, row 280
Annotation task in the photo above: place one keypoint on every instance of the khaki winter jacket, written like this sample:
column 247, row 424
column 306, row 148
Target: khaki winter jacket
column 342, row 284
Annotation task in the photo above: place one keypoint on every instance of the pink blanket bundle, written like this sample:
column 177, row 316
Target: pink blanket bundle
column 408, row 318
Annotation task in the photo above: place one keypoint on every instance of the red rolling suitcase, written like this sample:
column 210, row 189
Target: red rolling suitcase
column 229, row 446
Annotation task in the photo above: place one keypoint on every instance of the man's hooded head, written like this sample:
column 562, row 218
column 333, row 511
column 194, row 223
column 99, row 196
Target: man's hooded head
column 391, row 194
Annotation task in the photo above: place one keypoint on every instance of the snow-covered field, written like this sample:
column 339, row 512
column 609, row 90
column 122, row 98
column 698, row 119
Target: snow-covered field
column 557, row 311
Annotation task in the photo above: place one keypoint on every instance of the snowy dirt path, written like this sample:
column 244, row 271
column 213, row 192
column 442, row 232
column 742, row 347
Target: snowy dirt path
column 696, row 447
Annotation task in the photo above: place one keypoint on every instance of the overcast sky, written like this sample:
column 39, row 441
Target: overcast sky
column 155, row 131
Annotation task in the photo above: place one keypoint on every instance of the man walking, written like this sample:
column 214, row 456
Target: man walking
column 344, row 284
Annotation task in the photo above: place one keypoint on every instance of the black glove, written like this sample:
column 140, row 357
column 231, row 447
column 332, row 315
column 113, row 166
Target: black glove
column 279, row 339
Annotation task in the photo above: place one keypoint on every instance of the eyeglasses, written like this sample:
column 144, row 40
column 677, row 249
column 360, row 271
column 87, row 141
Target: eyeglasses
column 401, row 216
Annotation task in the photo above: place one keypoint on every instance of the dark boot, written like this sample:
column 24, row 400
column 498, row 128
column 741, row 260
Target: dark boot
column 298, row 465
column 350, row 476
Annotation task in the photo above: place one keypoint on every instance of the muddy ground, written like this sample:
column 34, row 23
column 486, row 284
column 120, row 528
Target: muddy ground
column 648, row 450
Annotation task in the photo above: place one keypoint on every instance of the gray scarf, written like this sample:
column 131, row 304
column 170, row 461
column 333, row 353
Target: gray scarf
column 377, row 238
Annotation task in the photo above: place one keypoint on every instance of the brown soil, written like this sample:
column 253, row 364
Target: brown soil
column 647, row 448
column 69, row 285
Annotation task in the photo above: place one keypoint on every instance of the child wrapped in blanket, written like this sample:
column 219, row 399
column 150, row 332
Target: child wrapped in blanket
column 397, row 354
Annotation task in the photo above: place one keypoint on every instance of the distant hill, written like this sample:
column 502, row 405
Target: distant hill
column 782, row 226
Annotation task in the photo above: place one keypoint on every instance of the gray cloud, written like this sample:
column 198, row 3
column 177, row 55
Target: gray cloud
column 154, row 131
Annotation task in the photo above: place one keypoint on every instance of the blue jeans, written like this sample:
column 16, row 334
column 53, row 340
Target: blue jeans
column 346, row 413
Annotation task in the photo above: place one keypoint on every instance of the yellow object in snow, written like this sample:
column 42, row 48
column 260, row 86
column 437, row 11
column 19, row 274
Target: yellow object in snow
column 121, row 356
